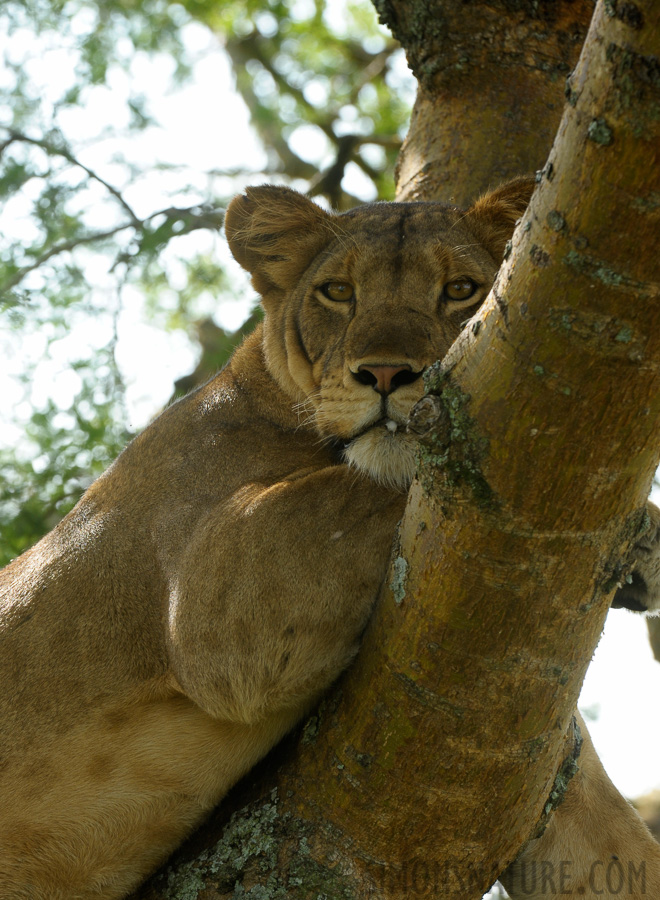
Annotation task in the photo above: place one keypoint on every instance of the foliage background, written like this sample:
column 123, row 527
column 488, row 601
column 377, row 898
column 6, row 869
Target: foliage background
column 109, row 219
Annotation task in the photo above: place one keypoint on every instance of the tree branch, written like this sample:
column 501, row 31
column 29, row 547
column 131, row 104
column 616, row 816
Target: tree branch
column 59, row 150
column 195, row 217
column 491, row 92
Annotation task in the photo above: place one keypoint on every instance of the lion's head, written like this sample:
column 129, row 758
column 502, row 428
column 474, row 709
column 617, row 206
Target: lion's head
column 359, row 304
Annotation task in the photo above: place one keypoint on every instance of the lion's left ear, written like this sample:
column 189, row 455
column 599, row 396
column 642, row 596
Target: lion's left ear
column 274, row 232
column 493, row 217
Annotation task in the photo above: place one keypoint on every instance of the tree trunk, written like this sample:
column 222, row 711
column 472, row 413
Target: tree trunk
column 491, row 89
column 430, row 764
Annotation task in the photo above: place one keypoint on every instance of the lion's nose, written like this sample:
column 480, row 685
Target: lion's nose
column 385, row 379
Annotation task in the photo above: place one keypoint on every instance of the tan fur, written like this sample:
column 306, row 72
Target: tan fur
column 211, row 585
column 595, row 846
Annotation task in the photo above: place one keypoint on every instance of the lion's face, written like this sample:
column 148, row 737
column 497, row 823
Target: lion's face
column 358, row 305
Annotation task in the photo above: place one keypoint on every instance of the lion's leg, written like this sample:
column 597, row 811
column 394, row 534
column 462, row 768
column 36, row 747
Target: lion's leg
column 595, row 846
column 275, row 590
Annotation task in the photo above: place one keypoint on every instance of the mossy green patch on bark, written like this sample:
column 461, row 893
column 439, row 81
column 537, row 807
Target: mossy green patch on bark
column 555, row 220
column 608, row 276
column 600, row 132
column 540, row 258
column 624, row 336
column 648, row 204
column 594, row 268
column 633, row 71
column 637, row 80
column 310, row 879
column 247, row 840
column 263, row 854
column 311, row 730
column 460, row 451
column 248, row 836
column 327, row 706
column 628, row 13
column 605, row 334
column 184, row 884
column 567, row 770
column 535, row 746
column 398, row 582
column 619, row 563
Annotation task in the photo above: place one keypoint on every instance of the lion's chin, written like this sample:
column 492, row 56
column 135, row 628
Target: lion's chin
column 384, row 454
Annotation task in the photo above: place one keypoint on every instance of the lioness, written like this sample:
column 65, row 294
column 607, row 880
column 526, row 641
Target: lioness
column 211, row 585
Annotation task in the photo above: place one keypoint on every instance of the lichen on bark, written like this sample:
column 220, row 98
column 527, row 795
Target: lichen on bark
column 457, row 449
column 263, row 853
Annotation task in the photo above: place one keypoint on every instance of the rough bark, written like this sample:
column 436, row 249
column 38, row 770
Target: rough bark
column 430, row 764
column 490, row 97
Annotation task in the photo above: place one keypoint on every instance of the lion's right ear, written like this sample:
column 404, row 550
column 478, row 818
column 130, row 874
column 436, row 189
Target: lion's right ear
column 274, row 232
column 493, row 217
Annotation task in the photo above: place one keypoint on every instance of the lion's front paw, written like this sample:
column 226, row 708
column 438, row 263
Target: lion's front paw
column 641, row 591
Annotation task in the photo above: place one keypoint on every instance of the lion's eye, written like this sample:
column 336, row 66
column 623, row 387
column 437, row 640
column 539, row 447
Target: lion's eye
column 459, row 289
column 340, row 291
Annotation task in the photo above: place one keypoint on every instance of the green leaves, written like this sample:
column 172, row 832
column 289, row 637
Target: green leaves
column 325, row 66
column 63, row 450
column 98, row 220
